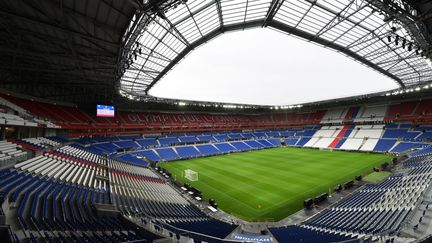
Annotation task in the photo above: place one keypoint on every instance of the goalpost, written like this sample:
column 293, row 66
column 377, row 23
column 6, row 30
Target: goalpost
column 191, row 175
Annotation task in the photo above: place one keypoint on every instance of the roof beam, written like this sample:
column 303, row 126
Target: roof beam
column 324, row 42
column 219, row 10
column 204, row 39
column 274, row 8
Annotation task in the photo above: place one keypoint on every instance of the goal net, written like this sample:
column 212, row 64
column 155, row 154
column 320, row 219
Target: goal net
column 191, row 175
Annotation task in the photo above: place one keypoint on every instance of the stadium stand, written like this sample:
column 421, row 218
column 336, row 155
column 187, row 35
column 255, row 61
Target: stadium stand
column 302, row 234
column 377, row 208
column 70, row 174
column 335, row 115
column 208, row 149
column 371, row 113
column 74, row 171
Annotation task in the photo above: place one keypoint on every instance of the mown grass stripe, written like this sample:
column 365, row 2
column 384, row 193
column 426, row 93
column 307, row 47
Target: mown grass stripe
column 273, row 183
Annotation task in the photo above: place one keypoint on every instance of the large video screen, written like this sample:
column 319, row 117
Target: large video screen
column 105, row 110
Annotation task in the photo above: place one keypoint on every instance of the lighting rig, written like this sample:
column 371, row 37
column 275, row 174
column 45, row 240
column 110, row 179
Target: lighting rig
column 147, row 10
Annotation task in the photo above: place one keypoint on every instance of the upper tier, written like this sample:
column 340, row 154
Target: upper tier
column 72, row 118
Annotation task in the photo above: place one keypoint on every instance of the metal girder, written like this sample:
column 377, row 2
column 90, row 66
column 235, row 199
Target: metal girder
column 201, row 41
column 346, row 26
column 415, row 27
column 219, row 10
column 339, row 18
column 308, row 36
column 274, row 7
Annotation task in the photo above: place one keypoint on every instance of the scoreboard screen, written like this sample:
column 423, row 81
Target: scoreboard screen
column 105, row 110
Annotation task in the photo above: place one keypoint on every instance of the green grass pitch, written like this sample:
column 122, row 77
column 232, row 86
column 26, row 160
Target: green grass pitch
column 271, row 184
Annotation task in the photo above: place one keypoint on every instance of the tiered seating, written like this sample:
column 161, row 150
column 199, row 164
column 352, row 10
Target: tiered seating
column 382, row 207
column 64, row 168
column 352, row 113
column 267, row 144
column 206, row 138
column 339, row 136
column 207, row 226
column 291, row 141
column 405, row 146
column 106, row 147
column 424, row 135
column 371, row 113
column 352, row 144
column 58, row 139
column 320, row 142
column 334, row 115
column 240, row 146
column 303, row 141
column 148, row 196
column 10, row 153
column 368, row 131
column 12, row 119
column 147, row 142
column 133, row 159
column 384, row 145
column 369, row 144
column 225, row 147
column 186, row 152
column 328, row 131
column 400, row 110
column 149, row 154
column 421, row 152
column 168, row 141
column 424, row 108
column 70, row 117
column 208, row 149
column 254, row 144
column 126, row 144
column 42, row 142
column 303, row 234
column 188, row 139
column 58, row 210
column 167, row 154
column 327, row 136
column 138, row 192
column 221, row 138
column 400, row 134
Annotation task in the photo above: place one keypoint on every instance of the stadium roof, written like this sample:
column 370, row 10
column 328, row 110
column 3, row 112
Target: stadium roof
column 360, row 29
column 82, row 50
column 61, row 48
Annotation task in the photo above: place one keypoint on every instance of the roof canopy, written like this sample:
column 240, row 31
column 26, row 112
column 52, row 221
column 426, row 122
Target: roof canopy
column 358, row 29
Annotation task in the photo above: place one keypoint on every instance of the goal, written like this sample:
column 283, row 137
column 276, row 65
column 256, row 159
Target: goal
column 191, row 175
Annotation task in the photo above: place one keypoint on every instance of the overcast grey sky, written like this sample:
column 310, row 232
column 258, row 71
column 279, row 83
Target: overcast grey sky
column 265, row 67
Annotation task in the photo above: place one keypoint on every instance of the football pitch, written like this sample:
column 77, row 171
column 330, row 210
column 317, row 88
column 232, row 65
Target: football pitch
column 271, row 184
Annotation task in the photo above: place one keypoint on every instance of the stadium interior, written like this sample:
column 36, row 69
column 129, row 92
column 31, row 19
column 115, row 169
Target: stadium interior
column 87, row 154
